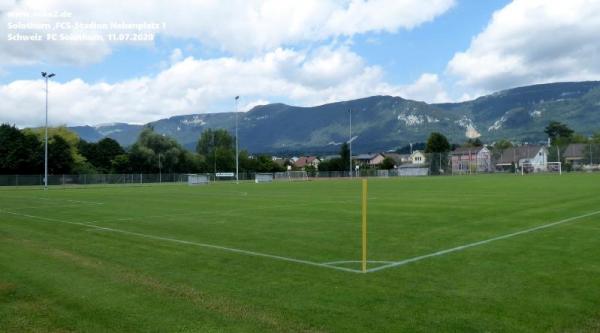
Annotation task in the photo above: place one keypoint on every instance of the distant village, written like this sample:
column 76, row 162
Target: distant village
column 465, row 159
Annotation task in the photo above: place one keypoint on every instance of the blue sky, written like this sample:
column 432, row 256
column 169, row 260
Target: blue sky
column 404, row 55
column 301, row 53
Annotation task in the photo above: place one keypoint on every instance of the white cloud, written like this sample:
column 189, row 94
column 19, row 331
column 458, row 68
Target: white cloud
column 247, row 27
column 208, row 85
column 427, row 88
column 176, row 56
column 384, row 15
column 249, row 105
column 532, row 41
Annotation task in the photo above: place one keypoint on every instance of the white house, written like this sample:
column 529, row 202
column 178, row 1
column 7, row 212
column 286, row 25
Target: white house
column 417, row 157
column 533, row 157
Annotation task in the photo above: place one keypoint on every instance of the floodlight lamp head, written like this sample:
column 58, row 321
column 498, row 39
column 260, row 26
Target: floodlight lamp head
column 51, row 75
column 44, row 74
column 237, row 97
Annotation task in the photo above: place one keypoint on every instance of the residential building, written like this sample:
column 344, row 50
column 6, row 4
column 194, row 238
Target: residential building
column 417, row 157
column 398, row 158
column 534, row 157
column 304, row 161
column 365, row 160
column 575, row 154
column 471, row 159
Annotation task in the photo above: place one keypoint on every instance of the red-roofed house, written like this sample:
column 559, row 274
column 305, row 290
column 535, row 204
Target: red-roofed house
column 305, row 161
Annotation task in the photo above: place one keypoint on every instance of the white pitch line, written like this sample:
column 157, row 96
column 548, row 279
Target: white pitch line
column 358, row 261
column 70, row 200
column 43, row 207
column 463, row 247
column 205, row 245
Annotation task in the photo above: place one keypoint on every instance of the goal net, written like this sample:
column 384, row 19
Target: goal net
column 555, row 167
column 263, row 178
column 197, row 179
column 291, row 176
column 549, row 167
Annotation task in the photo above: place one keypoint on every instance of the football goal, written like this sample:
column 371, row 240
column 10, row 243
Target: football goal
column 263, row 178
column 291, row 176
column 549, row 167
column 198, row 179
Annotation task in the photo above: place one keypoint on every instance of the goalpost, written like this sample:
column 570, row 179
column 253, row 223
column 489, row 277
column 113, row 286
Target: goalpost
column 263, row 178
column 549, row 167
column 291, row 176
column 555, row 167
column 197, row 179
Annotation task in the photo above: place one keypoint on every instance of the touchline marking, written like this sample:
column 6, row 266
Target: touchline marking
column 44, row 207
column 307, row 262
column 70, row 200
column 210, row 246
column 466, row 246
column 358, row 261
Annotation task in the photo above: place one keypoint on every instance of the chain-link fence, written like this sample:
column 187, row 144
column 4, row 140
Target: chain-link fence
column 461, row 161
column 91, row 179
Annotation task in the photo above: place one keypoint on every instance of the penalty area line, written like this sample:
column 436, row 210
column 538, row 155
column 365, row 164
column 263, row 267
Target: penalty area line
column 179, row 241
column 483, row 242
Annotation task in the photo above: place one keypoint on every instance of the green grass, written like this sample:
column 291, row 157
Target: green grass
column 61, row 272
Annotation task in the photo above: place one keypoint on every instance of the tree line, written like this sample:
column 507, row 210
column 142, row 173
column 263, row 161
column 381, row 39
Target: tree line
column 22, row 152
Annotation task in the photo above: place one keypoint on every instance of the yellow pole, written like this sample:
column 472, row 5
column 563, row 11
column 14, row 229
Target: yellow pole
column 364, row 225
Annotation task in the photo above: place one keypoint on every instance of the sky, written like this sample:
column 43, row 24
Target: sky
column 138, row 61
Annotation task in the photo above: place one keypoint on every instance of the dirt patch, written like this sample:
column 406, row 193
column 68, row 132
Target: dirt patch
column 7, row 288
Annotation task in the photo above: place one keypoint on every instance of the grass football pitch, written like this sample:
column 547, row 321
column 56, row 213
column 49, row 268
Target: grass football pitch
column 498, row 253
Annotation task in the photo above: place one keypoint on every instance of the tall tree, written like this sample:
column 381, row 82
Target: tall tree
column 558, row 131
column 153, row 152
column 218, row 148
column 502, row 144
column 388, row 163
column 344, row 162
column 474, row 143
column 60, row 158
column 107, row 150
column 437, row 147
column 437, row 143
column 20, row 152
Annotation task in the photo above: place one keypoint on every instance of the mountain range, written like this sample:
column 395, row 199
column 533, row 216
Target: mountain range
column 382, row 123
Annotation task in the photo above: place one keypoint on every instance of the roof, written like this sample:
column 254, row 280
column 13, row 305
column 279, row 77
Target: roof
column 330, row 157
column 467, row 150
column 365, row 157
column 515, row 154
column 575, row 150
column 395, row 156
column 305, row 160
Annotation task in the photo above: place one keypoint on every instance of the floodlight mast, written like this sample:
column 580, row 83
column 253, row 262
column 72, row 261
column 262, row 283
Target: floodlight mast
column 350, row 145
column 46, row 76
column 159, row 170
column 237, row 162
